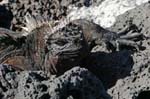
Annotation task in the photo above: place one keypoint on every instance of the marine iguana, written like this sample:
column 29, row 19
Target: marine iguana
column 55, row 51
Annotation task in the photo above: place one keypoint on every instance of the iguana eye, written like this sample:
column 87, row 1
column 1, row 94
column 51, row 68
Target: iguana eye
column 61, row 42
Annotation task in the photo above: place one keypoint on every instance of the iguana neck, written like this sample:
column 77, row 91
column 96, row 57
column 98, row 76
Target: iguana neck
column 36, row 46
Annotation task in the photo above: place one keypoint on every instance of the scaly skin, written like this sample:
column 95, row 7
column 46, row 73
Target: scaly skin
column 96, row 34
column 59, row 50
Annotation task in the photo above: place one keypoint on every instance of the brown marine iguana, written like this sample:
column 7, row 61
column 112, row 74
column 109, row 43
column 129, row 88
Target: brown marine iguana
column 55, row 51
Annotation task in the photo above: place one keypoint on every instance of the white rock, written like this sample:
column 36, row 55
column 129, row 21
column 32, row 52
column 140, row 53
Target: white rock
column 3, row 2
column 105, row 13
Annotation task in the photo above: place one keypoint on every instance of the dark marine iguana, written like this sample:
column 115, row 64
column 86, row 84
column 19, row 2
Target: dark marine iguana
column 55, row 51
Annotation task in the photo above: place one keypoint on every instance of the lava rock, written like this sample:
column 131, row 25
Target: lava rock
column 77, row 83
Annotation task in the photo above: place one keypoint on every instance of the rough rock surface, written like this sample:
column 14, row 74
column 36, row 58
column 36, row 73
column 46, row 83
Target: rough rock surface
column 46, row 8
column 52, row 9
column 125, row 74
column 77, row 83
column 138, row 80
column 106, row 11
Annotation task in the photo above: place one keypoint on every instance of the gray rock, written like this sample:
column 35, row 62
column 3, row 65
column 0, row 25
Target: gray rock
column 77, row 83
column 138, row 80
column 52, row 9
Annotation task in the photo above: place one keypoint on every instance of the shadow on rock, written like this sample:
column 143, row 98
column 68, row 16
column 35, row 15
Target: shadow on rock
column 109, row 67
column 5, row 17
